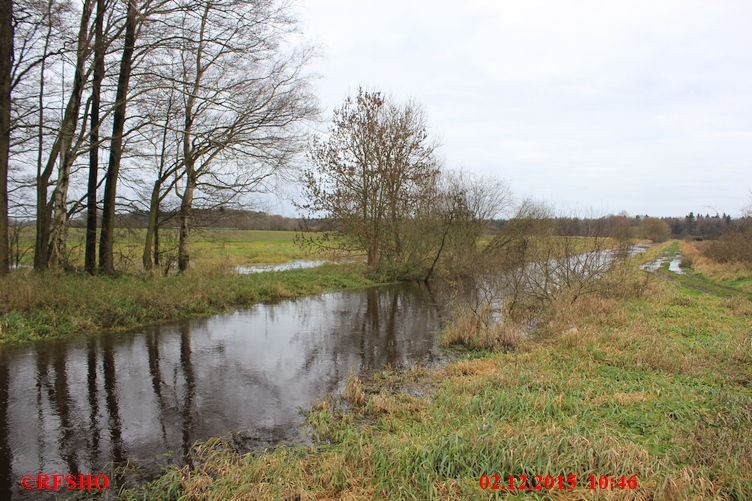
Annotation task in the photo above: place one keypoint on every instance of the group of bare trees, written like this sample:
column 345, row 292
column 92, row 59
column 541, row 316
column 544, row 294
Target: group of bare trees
column 184, row 103
column 376, row 179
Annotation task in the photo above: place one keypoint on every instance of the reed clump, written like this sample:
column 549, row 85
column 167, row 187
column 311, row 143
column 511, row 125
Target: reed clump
column 468, row 329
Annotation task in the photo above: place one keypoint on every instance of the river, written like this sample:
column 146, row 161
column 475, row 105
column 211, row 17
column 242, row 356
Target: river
column 73, row 406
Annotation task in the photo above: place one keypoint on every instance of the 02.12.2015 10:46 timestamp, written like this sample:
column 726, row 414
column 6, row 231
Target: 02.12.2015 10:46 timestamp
column 550, row 482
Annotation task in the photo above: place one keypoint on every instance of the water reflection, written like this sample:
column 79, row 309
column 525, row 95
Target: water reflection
column 71, row 407
column 289, row 265
column 6, row 456
column 675, row 264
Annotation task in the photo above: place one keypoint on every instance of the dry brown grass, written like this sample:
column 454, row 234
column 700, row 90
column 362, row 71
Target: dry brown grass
column 354, row 391
column 469, row 330
column 734, row 247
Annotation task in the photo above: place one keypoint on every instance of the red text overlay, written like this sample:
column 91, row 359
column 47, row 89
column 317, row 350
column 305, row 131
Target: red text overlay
column 58, row 481
column 560, row 482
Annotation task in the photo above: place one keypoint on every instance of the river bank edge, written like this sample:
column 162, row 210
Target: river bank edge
column 654, row 385
column 42, row 306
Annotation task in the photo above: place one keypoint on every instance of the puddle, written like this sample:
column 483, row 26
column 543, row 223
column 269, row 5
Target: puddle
column 289, row 265
column 674, row 265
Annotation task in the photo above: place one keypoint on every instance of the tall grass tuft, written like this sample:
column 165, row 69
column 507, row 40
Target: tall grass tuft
column 468, row 329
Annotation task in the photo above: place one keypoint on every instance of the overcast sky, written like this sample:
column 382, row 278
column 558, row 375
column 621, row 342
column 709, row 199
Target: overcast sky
column 642, row 106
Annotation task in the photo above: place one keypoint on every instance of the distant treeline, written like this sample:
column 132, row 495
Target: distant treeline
column 698, row 226
column 702, row 226
column 237, row 219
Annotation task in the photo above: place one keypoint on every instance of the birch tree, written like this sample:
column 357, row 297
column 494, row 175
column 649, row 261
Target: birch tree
column 66, row 148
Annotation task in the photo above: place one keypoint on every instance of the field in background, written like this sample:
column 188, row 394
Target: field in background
column 209, row 247
column 223, row 248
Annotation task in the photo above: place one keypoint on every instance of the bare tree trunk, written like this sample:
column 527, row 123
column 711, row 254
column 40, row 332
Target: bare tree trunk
column 156, row 198
column 43, row 176
column 371, row 260
column 151, row 228
column 44, row 216
column 156, row 245
column 90, row 257
column 65, row 141
column 6, row 61
column 186, row 211
column 106, row 263
column 59, row 222
column 186, row 204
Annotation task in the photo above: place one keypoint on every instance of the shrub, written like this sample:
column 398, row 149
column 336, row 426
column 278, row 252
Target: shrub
column 732, row 247
column 687, row 261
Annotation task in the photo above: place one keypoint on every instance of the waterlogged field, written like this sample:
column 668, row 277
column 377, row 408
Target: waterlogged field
column 643, row 392
column 209, row 247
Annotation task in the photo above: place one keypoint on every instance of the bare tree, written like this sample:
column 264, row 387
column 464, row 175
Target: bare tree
column 373, row 173
column 459, row 216
column 90, row 258
column 161, row 139
column 106, row 264
column 6, row 63
column 243, row 95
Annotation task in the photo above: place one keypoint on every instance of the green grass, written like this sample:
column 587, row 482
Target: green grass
column 40, row 306
column 657, row 385
column 208, row 247
column 242, row 247
column 704, row 283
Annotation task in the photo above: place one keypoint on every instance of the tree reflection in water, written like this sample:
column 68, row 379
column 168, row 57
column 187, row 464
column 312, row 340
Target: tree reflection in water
column 163, row 388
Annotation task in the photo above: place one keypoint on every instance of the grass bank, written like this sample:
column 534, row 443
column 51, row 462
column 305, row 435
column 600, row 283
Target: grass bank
column 723, row 280
column 55, row 304
column 734, row 274
column 652, row 381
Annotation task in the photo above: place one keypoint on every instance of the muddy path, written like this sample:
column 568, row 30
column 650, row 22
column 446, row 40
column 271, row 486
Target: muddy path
column 667, row 266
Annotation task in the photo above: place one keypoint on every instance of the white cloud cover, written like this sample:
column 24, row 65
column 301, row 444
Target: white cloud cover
column 643, row 106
